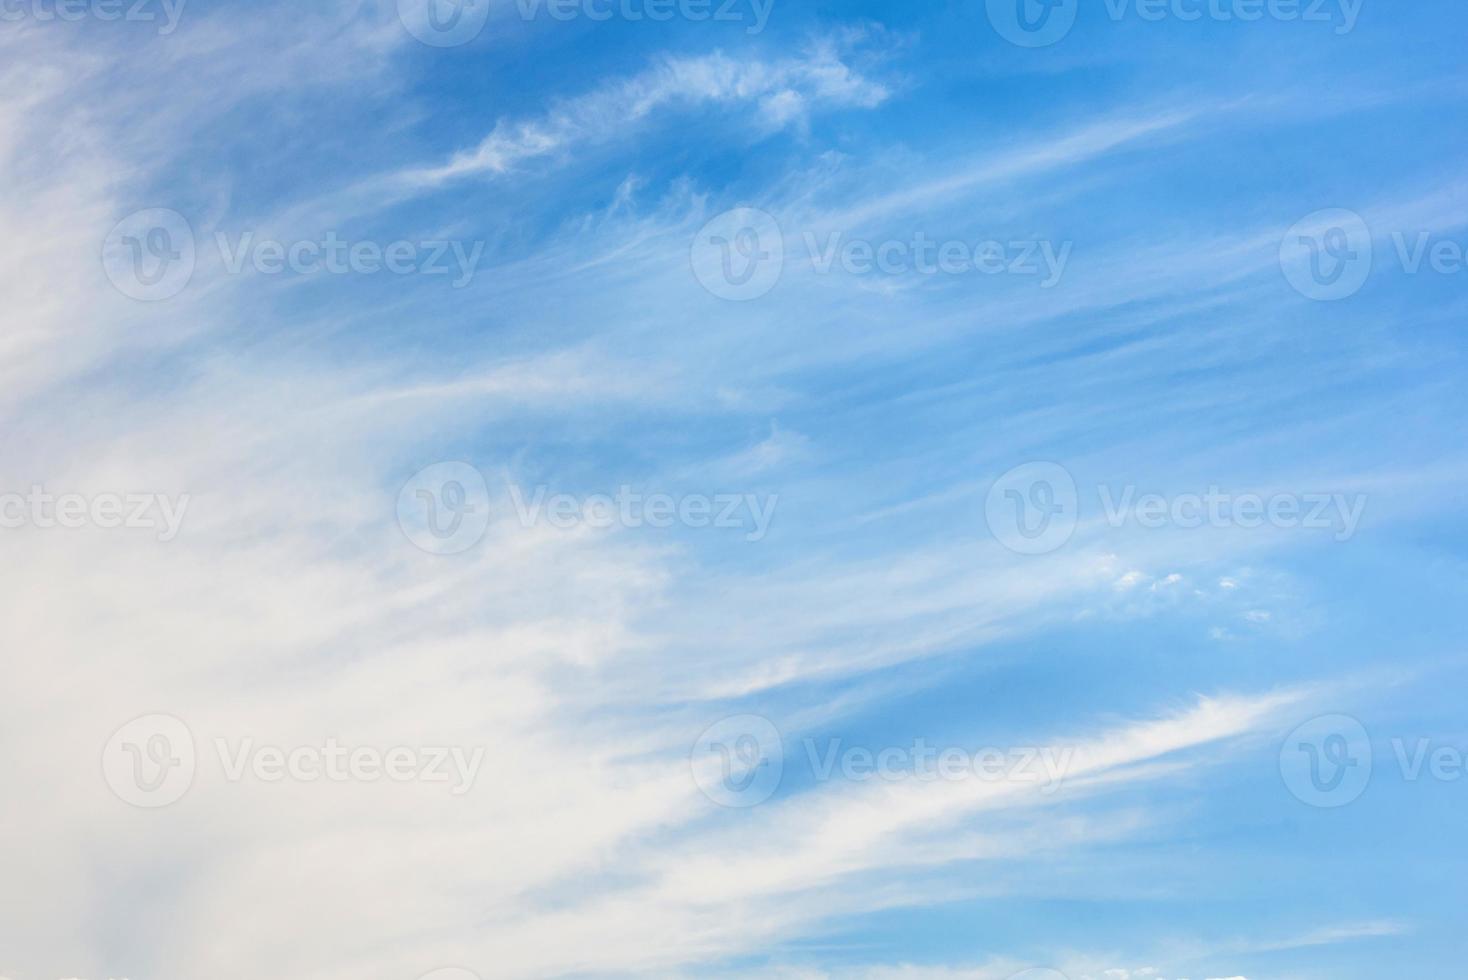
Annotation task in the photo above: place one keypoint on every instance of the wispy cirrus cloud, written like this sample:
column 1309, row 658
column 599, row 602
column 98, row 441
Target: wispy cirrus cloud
column 781, row 92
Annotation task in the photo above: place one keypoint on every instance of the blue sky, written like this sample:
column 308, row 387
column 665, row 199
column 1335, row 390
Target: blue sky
column 934, row 478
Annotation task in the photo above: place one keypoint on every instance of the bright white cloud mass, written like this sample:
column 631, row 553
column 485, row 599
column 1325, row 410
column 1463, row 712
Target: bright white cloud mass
column 881, row 491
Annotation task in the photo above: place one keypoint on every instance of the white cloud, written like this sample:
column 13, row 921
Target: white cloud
column 785, row 91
